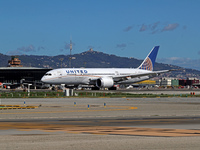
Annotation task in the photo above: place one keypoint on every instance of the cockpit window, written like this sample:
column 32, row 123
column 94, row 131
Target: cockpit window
column 48, row 74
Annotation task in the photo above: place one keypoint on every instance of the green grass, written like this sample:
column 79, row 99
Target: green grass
column 31, row 94
column 80, row 94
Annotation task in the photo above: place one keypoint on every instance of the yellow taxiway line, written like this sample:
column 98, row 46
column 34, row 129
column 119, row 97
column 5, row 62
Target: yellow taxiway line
column 109, row 108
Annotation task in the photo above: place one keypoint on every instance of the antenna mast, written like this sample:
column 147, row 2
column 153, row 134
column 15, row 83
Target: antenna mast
column 70, row 57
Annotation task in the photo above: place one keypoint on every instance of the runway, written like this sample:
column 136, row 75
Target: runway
column 101, row 123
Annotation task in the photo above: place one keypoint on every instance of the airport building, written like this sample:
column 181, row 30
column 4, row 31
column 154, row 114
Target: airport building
column 16, row 74
column 177, row 82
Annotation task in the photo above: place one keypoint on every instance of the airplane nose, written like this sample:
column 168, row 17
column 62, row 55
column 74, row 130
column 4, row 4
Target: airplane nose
column 43, row 79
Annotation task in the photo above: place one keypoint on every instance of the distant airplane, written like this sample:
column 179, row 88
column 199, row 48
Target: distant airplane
column 104, row 77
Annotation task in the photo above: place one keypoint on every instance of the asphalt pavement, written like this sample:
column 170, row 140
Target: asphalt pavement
column 101, row 123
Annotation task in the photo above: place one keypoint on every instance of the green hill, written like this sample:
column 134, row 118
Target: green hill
column 94, row 59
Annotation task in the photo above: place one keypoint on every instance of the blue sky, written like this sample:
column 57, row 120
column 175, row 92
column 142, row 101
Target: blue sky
column 127, row 28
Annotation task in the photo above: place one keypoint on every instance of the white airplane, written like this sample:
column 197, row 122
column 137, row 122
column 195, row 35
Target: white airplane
column 104, row 77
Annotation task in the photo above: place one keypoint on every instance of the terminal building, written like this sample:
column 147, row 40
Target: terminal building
column 15, row 74
column 177, row 82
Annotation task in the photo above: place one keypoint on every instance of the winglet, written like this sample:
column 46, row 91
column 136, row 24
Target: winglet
column 148, row 63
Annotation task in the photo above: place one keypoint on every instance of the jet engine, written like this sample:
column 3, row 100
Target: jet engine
column 105, row 82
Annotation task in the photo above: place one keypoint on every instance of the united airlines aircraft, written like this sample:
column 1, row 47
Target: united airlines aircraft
column 104, row 77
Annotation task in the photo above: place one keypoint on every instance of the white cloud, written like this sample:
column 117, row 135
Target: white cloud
column 128, row 28
column 29, row 48
column 121, row 45
column 25, row 49
column 181, row 62
column 143, row 28
column 41, row 48
column 170, row 27
column 155, row 27
column 22, row 50
column 15, row 52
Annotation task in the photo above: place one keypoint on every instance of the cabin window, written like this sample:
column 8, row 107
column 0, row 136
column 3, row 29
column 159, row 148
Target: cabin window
column 48, row 74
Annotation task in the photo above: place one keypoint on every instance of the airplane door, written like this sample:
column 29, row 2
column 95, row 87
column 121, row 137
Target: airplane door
column 59, row 73
column 116, row 73
column 60, row 76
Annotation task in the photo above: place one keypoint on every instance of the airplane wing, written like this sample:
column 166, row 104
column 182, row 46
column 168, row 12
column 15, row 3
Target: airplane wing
column 127, row 77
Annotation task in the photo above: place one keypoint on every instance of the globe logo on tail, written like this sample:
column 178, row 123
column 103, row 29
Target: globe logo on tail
column 147, row 65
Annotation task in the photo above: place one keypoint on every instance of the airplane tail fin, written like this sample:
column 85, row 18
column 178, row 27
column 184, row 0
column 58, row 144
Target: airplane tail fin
column 148, row 63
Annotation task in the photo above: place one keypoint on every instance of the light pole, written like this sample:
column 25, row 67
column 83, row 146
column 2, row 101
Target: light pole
column 29, row 89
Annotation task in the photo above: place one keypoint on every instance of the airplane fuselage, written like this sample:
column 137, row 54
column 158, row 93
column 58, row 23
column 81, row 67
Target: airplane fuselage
column 86, row 76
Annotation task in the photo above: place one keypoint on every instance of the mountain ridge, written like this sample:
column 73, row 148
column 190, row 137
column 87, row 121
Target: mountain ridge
column 95, row 59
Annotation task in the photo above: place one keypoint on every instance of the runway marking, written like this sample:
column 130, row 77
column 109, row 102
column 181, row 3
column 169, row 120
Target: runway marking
column 5, row 107
column 99, row 130
column 109, row 108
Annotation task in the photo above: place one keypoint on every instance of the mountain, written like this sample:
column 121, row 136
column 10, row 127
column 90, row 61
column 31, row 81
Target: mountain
column 95, row 59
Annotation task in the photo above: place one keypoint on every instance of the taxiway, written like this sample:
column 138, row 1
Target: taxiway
column 101, row 123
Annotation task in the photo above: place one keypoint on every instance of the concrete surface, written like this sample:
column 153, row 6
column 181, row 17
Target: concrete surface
column 157, row 123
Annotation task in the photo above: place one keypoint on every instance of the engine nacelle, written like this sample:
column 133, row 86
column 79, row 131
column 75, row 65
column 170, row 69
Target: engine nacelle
column 105, row 82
